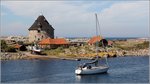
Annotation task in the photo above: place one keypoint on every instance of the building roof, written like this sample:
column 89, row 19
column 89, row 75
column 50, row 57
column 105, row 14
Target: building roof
column 57, row 41
column 42, row 23
column 17, row 46
column 110, row 42
column 94, row 39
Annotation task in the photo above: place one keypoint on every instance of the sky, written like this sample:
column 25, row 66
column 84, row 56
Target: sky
column 124, row 18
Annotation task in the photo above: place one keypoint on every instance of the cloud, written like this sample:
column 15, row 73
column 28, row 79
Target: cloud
column 3, row 13
column 64, row 17
column 77, row 18
column 126, row 19
column 14, row 28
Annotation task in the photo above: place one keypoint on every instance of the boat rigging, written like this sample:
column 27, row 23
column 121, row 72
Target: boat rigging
column 89, row 68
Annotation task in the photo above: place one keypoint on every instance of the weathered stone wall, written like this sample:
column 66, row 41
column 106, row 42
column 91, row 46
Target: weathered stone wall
column 34, row 35
column 51, row 33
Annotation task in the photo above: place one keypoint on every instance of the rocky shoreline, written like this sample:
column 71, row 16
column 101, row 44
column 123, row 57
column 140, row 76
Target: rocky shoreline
column 28, row 56
column 12, row 56
column 141, row 52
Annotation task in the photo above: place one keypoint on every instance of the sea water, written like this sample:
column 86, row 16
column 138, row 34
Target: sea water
column 122, row 70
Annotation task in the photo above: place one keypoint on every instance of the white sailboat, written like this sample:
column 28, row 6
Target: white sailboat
column 88, row 68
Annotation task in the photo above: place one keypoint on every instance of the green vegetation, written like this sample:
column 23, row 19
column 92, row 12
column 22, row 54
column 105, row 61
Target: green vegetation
column 3, row 45
column 6, row 48
column 102, row 43
column 10, row 49
column 54, row 51
column 133, row 46
column 142, row 45
column 72, row 51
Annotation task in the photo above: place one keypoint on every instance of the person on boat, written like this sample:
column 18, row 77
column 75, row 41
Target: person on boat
column 93, row 62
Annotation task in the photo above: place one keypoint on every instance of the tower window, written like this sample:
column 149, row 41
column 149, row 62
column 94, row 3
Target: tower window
column 38, row 31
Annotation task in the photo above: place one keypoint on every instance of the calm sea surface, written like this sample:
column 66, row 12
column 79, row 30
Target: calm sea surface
column 122, row 70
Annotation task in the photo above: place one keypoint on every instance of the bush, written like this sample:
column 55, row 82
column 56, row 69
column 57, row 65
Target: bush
column 142, row 45
column 3, row 45
column 10, row 49
column 60, row 48
column 6, row 48
column 102, row 43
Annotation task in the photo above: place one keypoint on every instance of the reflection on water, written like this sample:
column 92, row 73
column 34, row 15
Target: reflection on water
column 78, row 77
column 90, row 78
column 122, row 70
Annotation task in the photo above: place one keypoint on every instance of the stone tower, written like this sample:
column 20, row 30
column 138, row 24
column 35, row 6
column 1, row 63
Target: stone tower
column 40, row 29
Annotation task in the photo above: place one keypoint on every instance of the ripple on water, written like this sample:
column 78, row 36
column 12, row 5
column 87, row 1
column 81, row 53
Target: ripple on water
column 122, row 70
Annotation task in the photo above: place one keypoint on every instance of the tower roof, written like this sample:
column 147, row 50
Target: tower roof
column 42, row 23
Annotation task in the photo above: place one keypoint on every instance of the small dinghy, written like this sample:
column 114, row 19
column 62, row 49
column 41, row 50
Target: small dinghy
column 35, row 49
column 87, row 68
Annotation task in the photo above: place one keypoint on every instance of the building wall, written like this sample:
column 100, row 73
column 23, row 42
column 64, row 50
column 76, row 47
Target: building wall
column 32, row 34
column 51, row 33
column 35, row 36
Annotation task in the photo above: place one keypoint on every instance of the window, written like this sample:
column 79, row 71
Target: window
column 38, row 31
column 42, row 37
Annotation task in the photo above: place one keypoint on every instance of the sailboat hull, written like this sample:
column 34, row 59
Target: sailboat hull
column 93, row 70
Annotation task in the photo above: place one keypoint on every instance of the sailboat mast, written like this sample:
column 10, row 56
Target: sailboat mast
column 96, row 35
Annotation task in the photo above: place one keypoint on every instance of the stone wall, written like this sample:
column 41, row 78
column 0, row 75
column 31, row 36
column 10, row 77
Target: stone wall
column 49, row 32
column 34, row 35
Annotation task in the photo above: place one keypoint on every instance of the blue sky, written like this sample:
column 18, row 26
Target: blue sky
column 76, row 18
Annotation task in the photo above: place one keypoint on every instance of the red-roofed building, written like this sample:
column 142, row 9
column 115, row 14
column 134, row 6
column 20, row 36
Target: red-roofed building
column 17, row 46
column 53, row 43
column 110, row 43
column 20, row 47
column 94, row 39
